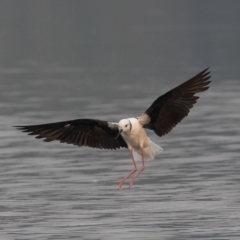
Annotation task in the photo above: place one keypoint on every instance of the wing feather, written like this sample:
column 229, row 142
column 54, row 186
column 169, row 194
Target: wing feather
column 169, row 109
column 80, row 132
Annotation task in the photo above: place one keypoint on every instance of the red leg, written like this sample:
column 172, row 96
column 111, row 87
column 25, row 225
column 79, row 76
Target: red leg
column 128, row 175
column 142, row 168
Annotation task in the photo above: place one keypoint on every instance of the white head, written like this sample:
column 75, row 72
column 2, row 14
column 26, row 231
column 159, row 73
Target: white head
column 125, row 125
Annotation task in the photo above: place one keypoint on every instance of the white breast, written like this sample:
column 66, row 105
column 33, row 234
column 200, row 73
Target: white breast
column 137, row 137
column 138, row 140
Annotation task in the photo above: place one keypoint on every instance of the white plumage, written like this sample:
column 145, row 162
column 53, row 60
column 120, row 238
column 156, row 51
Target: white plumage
column 137, row 139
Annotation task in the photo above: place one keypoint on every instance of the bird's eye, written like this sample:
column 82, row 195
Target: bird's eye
column 126, row 125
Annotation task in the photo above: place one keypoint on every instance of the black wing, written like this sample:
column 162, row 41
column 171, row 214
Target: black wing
column 169, row 109
column 81, row 132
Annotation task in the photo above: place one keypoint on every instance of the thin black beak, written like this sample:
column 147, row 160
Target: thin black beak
column 119, row 133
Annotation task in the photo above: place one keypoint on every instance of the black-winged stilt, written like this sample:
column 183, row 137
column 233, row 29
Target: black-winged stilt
column 164, row 114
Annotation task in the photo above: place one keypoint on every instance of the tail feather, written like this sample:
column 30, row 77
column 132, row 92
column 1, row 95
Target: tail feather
column 155, row 150
column 149, row 152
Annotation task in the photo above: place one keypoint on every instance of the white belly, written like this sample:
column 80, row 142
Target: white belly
column 138, row 140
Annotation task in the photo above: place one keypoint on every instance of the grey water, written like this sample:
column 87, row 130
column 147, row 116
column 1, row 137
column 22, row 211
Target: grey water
column 59, row 191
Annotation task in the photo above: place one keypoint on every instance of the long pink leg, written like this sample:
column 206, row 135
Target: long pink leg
column 142, row 168
column 128, row 175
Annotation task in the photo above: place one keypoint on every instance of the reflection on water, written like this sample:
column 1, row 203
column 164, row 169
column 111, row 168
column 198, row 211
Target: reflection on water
column 58, row 191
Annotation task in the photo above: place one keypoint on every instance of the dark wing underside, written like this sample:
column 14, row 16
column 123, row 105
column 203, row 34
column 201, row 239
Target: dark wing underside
column 169, row 109
column 81, row 132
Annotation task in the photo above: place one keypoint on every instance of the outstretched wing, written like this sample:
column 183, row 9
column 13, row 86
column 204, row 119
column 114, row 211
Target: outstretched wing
column 169, row 109
column 81, row 132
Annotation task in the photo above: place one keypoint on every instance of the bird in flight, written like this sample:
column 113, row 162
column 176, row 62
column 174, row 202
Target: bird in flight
column 161, row 117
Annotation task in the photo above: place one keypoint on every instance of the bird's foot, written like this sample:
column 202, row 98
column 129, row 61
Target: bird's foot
column 131, row 182
column 121, row 183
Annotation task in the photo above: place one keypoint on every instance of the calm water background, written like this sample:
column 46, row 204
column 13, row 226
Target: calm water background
column 63, row 60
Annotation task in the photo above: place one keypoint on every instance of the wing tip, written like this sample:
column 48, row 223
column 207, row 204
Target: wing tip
column 204, row 74
column 205, row 70
column 21, row 128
